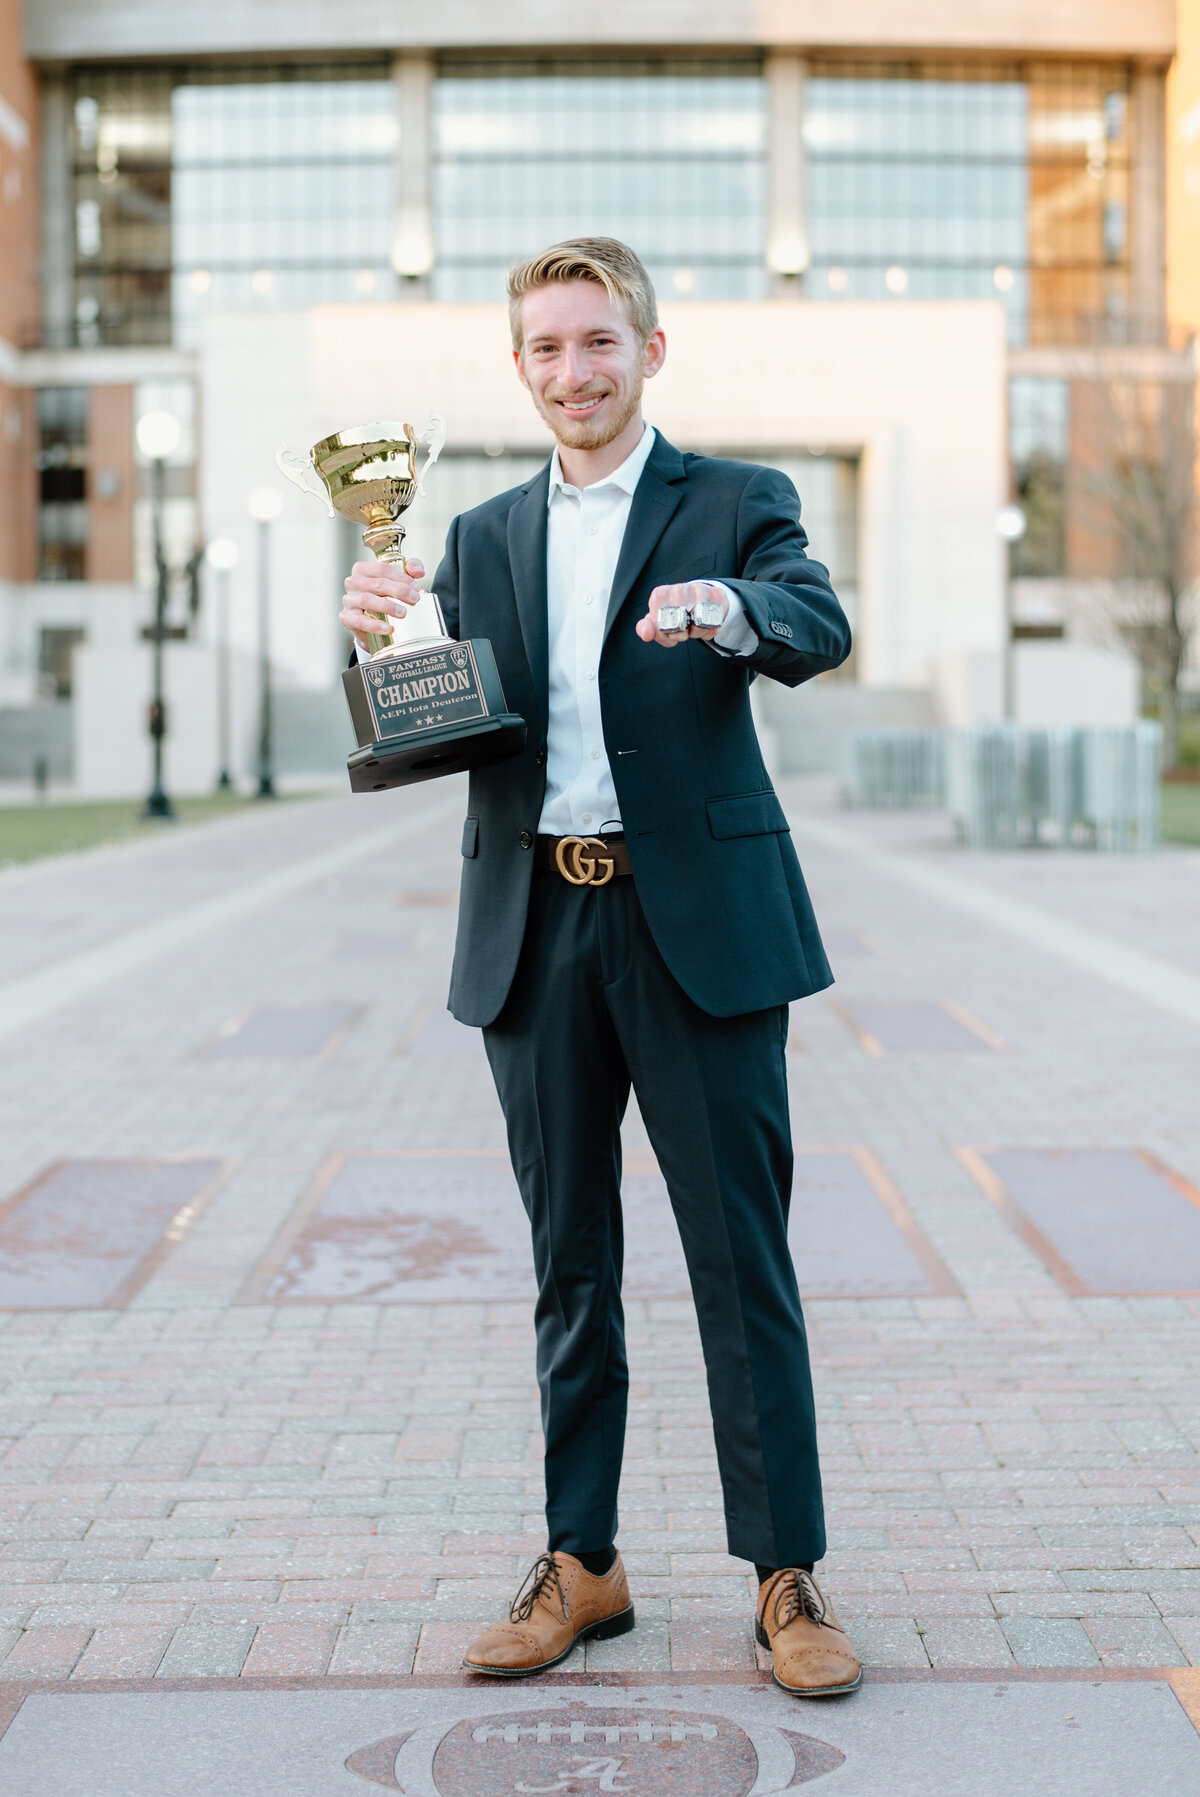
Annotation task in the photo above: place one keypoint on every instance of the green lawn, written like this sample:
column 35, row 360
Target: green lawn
column 29, row 831
column 1181, row 812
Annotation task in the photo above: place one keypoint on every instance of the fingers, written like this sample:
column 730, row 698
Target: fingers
column 383, row 580
column 377, row 592
column 362, row 624
column 669, row 599
column 412, row 567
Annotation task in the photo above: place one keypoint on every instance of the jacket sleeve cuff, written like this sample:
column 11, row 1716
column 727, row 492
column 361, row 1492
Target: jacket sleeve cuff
column 737, row 635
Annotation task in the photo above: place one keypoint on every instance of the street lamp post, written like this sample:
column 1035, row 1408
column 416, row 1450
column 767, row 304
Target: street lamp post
column 265, row 505
column 157, row 434
column 222, row 554
column 1010, row 527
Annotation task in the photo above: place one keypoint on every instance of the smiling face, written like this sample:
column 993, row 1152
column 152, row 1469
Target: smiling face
column 583, row 362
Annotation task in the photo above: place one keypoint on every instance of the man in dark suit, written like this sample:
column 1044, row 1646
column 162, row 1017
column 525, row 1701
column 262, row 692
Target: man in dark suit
column 633, row 912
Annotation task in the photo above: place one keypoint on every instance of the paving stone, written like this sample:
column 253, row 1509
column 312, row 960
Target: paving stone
column 123, row 1651
column 648, row 1647
column 442, row 1644
column 719, row 1644
column 82, row 1230
column 1049, row 1641
column 287, row 1030
column 1133, row 1641
column 45, row 1652
column 886, row 1640
column 375, row 1647
column 966, row 1643
column 1116, row 1218
column 900, row 1026
column 207, row 1650
column 291, row 1650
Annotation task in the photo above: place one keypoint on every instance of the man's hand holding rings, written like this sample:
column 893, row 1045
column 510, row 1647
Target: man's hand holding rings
column 670, row 619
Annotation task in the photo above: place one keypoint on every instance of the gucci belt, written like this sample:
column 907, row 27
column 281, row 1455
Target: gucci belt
column 583, row 860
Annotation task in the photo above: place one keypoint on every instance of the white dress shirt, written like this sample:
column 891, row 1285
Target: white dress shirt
column 585, row 528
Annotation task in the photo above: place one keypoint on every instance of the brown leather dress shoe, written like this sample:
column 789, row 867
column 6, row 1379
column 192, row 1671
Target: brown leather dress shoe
column 559, row 1604
column 812, row 1655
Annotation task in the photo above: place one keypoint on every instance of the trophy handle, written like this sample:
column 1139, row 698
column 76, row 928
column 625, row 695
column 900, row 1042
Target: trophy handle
column 301, row 472
column 434, row 429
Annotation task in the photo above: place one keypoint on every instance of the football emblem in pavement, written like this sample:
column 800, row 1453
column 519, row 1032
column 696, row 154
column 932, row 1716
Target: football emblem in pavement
column 580, row 1753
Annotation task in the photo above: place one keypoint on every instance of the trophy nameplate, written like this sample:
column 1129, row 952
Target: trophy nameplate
column 422, row 705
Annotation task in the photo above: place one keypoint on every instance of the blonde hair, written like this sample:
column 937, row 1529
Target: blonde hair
column 611, row 264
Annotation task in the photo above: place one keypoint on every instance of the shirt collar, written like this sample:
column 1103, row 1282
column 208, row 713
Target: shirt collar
column 626, row 476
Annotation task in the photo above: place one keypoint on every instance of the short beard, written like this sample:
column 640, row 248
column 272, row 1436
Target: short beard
column 585, row 434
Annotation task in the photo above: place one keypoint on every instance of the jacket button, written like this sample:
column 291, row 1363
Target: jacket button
column 526, row 840
column 540, row 757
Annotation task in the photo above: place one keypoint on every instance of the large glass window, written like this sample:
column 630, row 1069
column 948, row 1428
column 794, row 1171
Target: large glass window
column 669, row 156
column 217, row 188
column 122, row 156
column 199, row 187
column 974, row 182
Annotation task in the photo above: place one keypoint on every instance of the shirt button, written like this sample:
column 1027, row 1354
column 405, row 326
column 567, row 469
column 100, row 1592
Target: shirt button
column 594, row 530
column 595, row 754
column 526, row 840
column 591, row 676
column 587, row 817
column 589, row 599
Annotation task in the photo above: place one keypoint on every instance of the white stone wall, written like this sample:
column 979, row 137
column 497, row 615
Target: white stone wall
column 114, row 752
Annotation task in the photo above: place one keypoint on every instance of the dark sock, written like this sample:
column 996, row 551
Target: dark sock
column 768, row 1572
column 598, row 1564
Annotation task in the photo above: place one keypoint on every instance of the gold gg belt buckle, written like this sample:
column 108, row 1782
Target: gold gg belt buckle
column 575, row 864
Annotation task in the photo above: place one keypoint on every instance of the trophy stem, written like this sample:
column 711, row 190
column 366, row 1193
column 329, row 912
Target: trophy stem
column 422, row 626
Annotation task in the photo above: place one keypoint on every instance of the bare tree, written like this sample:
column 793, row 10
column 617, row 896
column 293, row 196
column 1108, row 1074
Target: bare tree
column 1139, row 500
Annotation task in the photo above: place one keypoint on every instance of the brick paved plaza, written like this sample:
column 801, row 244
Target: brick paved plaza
column 269, row 1409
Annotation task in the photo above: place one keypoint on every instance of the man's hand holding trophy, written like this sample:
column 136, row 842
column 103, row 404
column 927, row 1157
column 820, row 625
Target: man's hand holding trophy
column 422, row 704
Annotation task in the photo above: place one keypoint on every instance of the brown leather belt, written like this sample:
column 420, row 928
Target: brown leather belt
column 583, row 860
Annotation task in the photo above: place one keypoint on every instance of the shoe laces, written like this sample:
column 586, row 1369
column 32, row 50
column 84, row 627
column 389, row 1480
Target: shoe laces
column 792, row 1594
column 542, row 1574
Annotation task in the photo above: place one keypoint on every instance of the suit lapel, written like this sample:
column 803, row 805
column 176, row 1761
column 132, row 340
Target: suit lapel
column 527, row 560
column 656, row 498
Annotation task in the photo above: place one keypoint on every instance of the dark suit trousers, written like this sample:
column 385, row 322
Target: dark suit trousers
column 592, row 1008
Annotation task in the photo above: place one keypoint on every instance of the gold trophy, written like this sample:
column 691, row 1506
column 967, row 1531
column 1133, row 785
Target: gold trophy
column 423, row 705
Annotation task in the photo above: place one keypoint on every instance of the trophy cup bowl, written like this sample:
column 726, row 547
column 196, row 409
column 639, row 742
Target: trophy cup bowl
column 423, row 705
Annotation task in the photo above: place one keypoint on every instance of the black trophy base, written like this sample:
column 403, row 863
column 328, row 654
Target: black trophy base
column 427, row 712
column 399, row 761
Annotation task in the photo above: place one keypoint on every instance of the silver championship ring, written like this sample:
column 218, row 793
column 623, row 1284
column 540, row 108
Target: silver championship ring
column 708, row 614
column 673, row 619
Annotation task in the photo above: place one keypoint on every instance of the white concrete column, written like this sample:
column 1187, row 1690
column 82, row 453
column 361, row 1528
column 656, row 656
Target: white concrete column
column 412, row 239
column 787, row 224
column 58, row 216
column 1148, row 205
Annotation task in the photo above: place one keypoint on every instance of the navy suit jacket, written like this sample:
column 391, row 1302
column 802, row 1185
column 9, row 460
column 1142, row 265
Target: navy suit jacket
column 712, row 857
